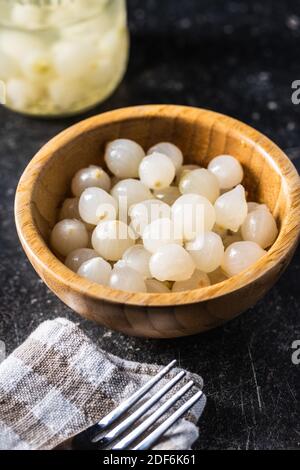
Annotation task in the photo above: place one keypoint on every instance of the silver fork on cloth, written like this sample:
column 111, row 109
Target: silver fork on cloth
column 114, row 432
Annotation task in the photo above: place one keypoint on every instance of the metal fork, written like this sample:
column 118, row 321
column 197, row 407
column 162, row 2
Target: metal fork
column 97, row 437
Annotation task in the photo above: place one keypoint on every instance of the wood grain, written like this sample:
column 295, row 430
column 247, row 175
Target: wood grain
column 270, row 178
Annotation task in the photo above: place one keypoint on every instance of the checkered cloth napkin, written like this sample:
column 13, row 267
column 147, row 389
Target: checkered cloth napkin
column 58, row 383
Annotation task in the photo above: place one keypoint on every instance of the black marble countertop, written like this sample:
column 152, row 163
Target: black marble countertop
column 239, row 58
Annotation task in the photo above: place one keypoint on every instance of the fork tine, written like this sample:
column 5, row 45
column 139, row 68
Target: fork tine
column 127, row 404
column 127, row 440
column 150, row 440
column 124, row 425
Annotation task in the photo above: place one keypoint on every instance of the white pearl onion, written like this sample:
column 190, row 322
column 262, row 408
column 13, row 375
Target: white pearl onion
column 228, row 171
column 200, row 182
column 157, row 171
column 96, row 270
column 171, row 151
column 77, row 257
column 65, row 93
column 138, row 258
column 16, row 45
column 21, row 93
column 30, row 15
column 260, row 227
column 69, row 235
column 197, row 281
column 159, row 233
column 96, row 205
column 146, row 212
column 130, row 192
column 240, row 256
column 72, row 59
column 207, row 251
column 127, row 279
column 172, row 263
column 111, row 239
column 91, row 177
column 8, row 67
column 156, row 287
column 168, row 195
column 231, row 209
column 70, row 209
column 123, row 158
column 193, row 215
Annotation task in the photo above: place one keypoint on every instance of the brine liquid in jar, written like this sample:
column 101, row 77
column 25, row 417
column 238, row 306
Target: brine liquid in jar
column 60, row 57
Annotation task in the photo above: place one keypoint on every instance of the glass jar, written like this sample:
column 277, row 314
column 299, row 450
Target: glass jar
column 60, row 57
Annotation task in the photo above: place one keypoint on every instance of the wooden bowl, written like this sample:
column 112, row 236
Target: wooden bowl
column 270, row 178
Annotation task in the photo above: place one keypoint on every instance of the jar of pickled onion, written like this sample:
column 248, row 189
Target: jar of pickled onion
column 61, row 57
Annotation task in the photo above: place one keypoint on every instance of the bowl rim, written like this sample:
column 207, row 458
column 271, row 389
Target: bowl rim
column 43, row 258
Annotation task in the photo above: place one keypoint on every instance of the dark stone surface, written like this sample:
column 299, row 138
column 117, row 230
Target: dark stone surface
column 236, row 57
